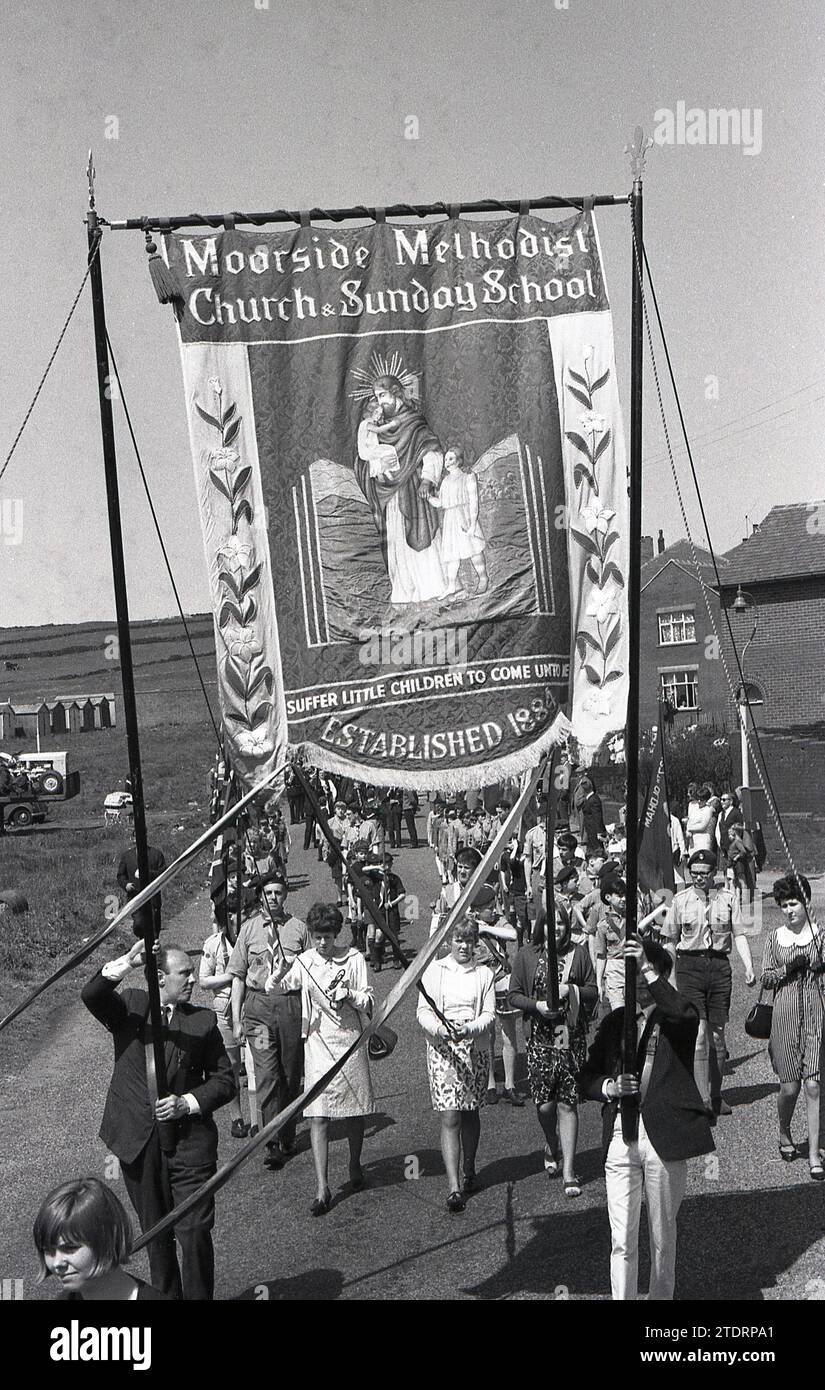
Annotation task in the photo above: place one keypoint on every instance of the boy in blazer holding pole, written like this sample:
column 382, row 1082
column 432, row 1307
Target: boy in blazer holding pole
column 673, row 1124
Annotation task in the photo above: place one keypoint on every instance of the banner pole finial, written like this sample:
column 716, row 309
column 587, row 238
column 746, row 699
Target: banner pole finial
column 90, row 176
column 638, row 150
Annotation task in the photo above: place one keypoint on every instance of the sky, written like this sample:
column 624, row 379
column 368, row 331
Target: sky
column 222, row 104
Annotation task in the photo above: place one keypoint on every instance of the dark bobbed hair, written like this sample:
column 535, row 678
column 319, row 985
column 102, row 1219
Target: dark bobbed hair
column 792, row 886
column 612, row 885
column 85, row 1211
column 469, row 856
column 659, row 958
column 324, row 917
column 540, row 926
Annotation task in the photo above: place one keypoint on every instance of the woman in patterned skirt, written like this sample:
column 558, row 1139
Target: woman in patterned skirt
column 556, row 1053
column 458, row 1062
column 792, row 967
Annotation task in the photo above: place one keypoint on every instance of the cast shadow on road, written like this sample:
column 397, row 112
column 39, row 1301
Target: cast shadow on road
column 571, row 1251
column 746, row 1095
column 513, row 1168
column 313, row 1285
column 734, row 1062
column 394, row 1169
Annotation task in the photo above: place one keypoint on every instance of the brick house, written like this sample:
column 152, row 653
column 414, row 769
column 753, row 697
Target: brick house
column 781, row 572
column 679, row 658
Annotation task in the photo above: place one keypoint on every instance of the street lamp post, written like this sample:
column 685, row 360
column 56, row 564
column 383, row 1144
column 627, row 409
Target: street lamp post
column 743, row 601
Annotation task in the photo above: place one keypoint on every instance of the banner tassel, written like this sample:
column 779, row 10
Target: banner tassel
column 166, row 286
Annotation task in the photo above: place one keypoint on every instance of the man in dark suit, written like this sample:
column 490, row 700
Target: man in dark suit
column 672, row 1122
column 410, row 807
column 594, row 831
column 128, row 877
column 200, row 1080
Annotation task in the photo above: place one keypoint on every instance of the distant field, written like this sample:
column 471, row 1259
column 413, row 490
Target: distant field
column 83, row 659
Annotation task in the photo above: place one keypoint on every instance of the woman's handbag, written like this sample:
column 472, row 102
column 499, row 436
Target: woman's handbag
column 760, row 1019
column 381, row 1043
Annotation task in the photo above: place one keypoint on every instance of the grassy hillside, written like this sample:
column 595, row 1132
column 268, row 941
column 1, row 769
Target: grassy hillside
column 84, row 658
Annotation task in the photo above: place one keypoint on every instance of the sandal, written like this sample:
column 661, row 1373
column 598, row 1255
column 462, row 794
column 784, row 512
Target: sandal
column 817, row 1171
column 788, row 1152
column 552, row 1167
column 573, row 1188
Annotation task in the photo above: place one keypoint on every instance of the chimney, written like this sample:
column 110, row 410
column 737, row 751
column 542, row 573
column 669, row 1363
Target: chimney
column 647, row 548
column 755, row 528
column 660, row 542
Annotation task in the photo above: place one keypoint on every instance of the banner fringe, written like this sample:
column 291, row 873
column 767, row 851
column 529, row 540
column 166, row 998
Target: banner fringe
column 447, row 779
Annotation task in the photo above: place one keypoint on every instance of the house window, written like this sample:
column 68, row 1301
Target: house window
column 680, row 688
column 677, row 625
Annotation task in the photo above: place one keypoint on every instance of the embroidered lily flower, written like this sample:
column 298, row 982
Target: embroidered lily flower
column 215, row 383
column 603, row 603
column 588, row 352
column 243, row 643
column 254, row 745
column 226, row 458
column 593, row 423
column 597, row 518
column 236, row 555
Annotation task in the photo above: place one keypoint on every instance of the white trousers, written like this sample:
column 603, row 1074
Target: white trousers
column 627, row 1168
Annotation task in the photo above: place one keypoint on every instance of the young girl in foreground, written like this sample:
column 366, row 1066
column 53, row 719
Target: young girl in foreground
column 83, row 1237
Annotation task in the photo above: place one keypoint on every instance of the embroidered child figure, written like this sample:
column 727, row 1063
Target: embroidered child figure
column 382, row 458
column 461, row 535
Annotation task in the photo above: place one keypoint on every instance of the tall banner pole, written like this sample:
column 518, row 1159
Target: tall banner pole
column 550, row 888
column 630, row 1104
column 149, row 920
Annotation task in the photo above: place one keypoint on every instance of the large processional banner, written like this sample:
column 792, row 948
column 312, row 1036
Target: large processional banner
column 410, row 468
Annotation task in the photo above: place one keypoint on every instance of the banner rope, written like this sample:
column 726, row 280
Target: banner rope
column 161, row 541
column 42, row 381
column 762, row 771
column 400, row 989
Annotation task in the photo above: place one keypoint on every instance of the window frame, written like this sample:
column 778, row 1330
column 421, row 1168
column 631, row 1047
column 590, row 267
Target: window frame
column 676, row 617
column 690, row 675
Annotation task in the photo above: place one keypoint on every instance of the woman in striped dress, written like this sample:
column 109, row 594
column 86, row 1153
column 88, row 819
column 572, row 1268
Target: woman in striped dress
column 792, row 967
